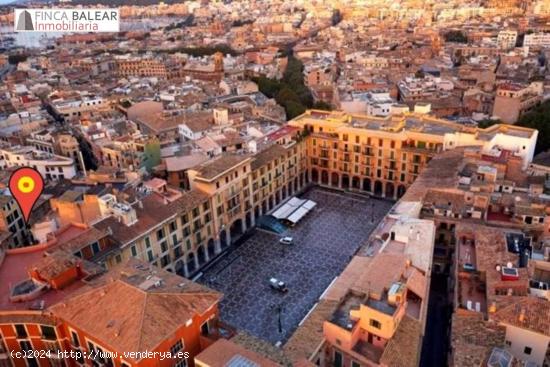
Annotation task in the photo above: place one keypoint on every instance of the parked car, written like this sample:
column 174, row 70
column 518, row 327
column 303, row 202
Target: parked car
column 278, row 285
column 286, row 241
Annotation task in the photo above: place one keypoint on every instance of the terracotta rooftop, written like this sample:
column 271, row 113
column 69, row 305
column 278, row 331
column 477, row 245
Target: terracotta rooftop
column 309, row 336
column 224, row 351
column 262, row 348
column 473, row 338
column 441, row 172
column 529, row 313
column 216, row 167
column 403, row 349
column 267, row 155
column 135, row 306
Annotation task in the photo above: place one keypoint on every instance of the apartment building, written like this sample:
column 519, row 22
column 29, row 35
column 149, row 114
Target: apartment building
column 514, row 100
column 65, row 304
column 162, row 227
column 537, row 40
column 140, row 67
column 506, row 39
column 383, row 156
column 12, row 223
column 73, row 108
column 51, row 166
column 56, row 143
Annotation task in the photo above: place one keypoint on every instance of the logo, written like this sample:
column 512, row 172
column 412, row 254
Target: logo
column 24, row 22
column 66, row 20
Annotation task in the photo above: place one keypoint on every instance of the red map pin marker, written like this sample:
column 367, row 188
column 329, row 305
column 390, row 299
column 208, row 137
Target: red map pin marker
column 26, row 185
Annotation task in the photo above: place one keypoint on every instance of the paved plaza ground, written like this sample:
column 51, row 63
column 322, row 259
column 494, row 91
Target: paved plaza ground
column 324, row 242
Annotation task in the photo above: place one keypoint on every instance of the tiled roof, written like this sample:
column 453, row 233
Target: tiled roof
column 262, row 348
column 403, row 349
column 127, row 312
column 215, row 167
column 473, row 338
column 309, row 336
column 536, row 315
column 267, row 155
column 150, row 215
column 223, row 351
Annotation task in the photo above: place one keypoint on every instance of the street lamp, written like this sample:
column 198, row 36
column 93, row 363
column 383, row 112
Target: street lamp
column 280, row 309
column 372, row 212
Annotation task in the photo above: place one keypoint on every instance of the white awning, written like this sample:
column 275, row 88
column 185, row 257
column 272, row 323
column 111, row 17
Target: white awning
column 294, row 209
column 284, row 211
column 309, row 204
column 297, row 215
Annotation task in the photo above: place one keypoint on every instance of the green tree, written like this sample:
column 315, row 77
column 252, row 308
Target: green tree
column 17, row 58
column 151, row 155
column 294, row 109
column 322, row 105
column 455, row 36
column 539, row 119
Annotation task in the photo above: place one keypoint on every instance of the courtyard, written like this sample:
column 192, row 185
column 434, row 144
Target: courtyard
column 324, row 242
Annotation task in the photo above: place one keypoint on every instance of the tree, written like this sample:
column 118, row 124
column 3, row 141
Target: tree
column 151, row 155
column 322, row 105
column 17, row 58
column 294, row 109
column 455, row 36
column 539, row 119
column 485, row 123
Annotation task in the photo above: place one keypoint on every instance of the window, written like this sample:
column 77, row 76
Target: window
column 20, row 331
column 100, row 356
column 184, row 219
column 26, row 345
column 160, row 234
column 337, row 359
column 176, row 351
column 355, row 364
column 205, row 329
column 133, row 250
column 74, row 339
column 173, row 226
column 375, row 323
column 48, row 332
column 95, row 248
column 2, row 345
column 527, row 350
column 147, row 242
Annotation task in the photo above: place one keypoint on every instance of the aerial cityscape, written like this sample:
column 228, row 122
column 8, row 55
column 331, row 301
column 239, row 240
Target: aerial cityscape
column 244, row 183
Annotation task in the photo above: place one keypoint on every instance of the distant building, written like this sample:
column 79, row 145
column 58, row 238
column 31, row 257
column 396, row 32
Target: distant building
column 506, row 40
column 514, row 100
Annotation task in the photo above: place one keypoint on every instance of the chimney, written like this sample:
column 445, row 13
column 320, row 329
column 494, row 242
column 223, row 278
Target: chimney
column 522, row 315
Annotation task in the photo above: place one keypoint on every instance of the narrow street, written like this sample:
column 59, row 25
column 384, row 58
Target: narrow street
column 436, row 339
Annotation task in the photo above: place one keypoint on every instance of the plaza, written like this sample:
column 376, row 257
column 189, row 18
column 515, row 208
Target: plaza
column 324, row 242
